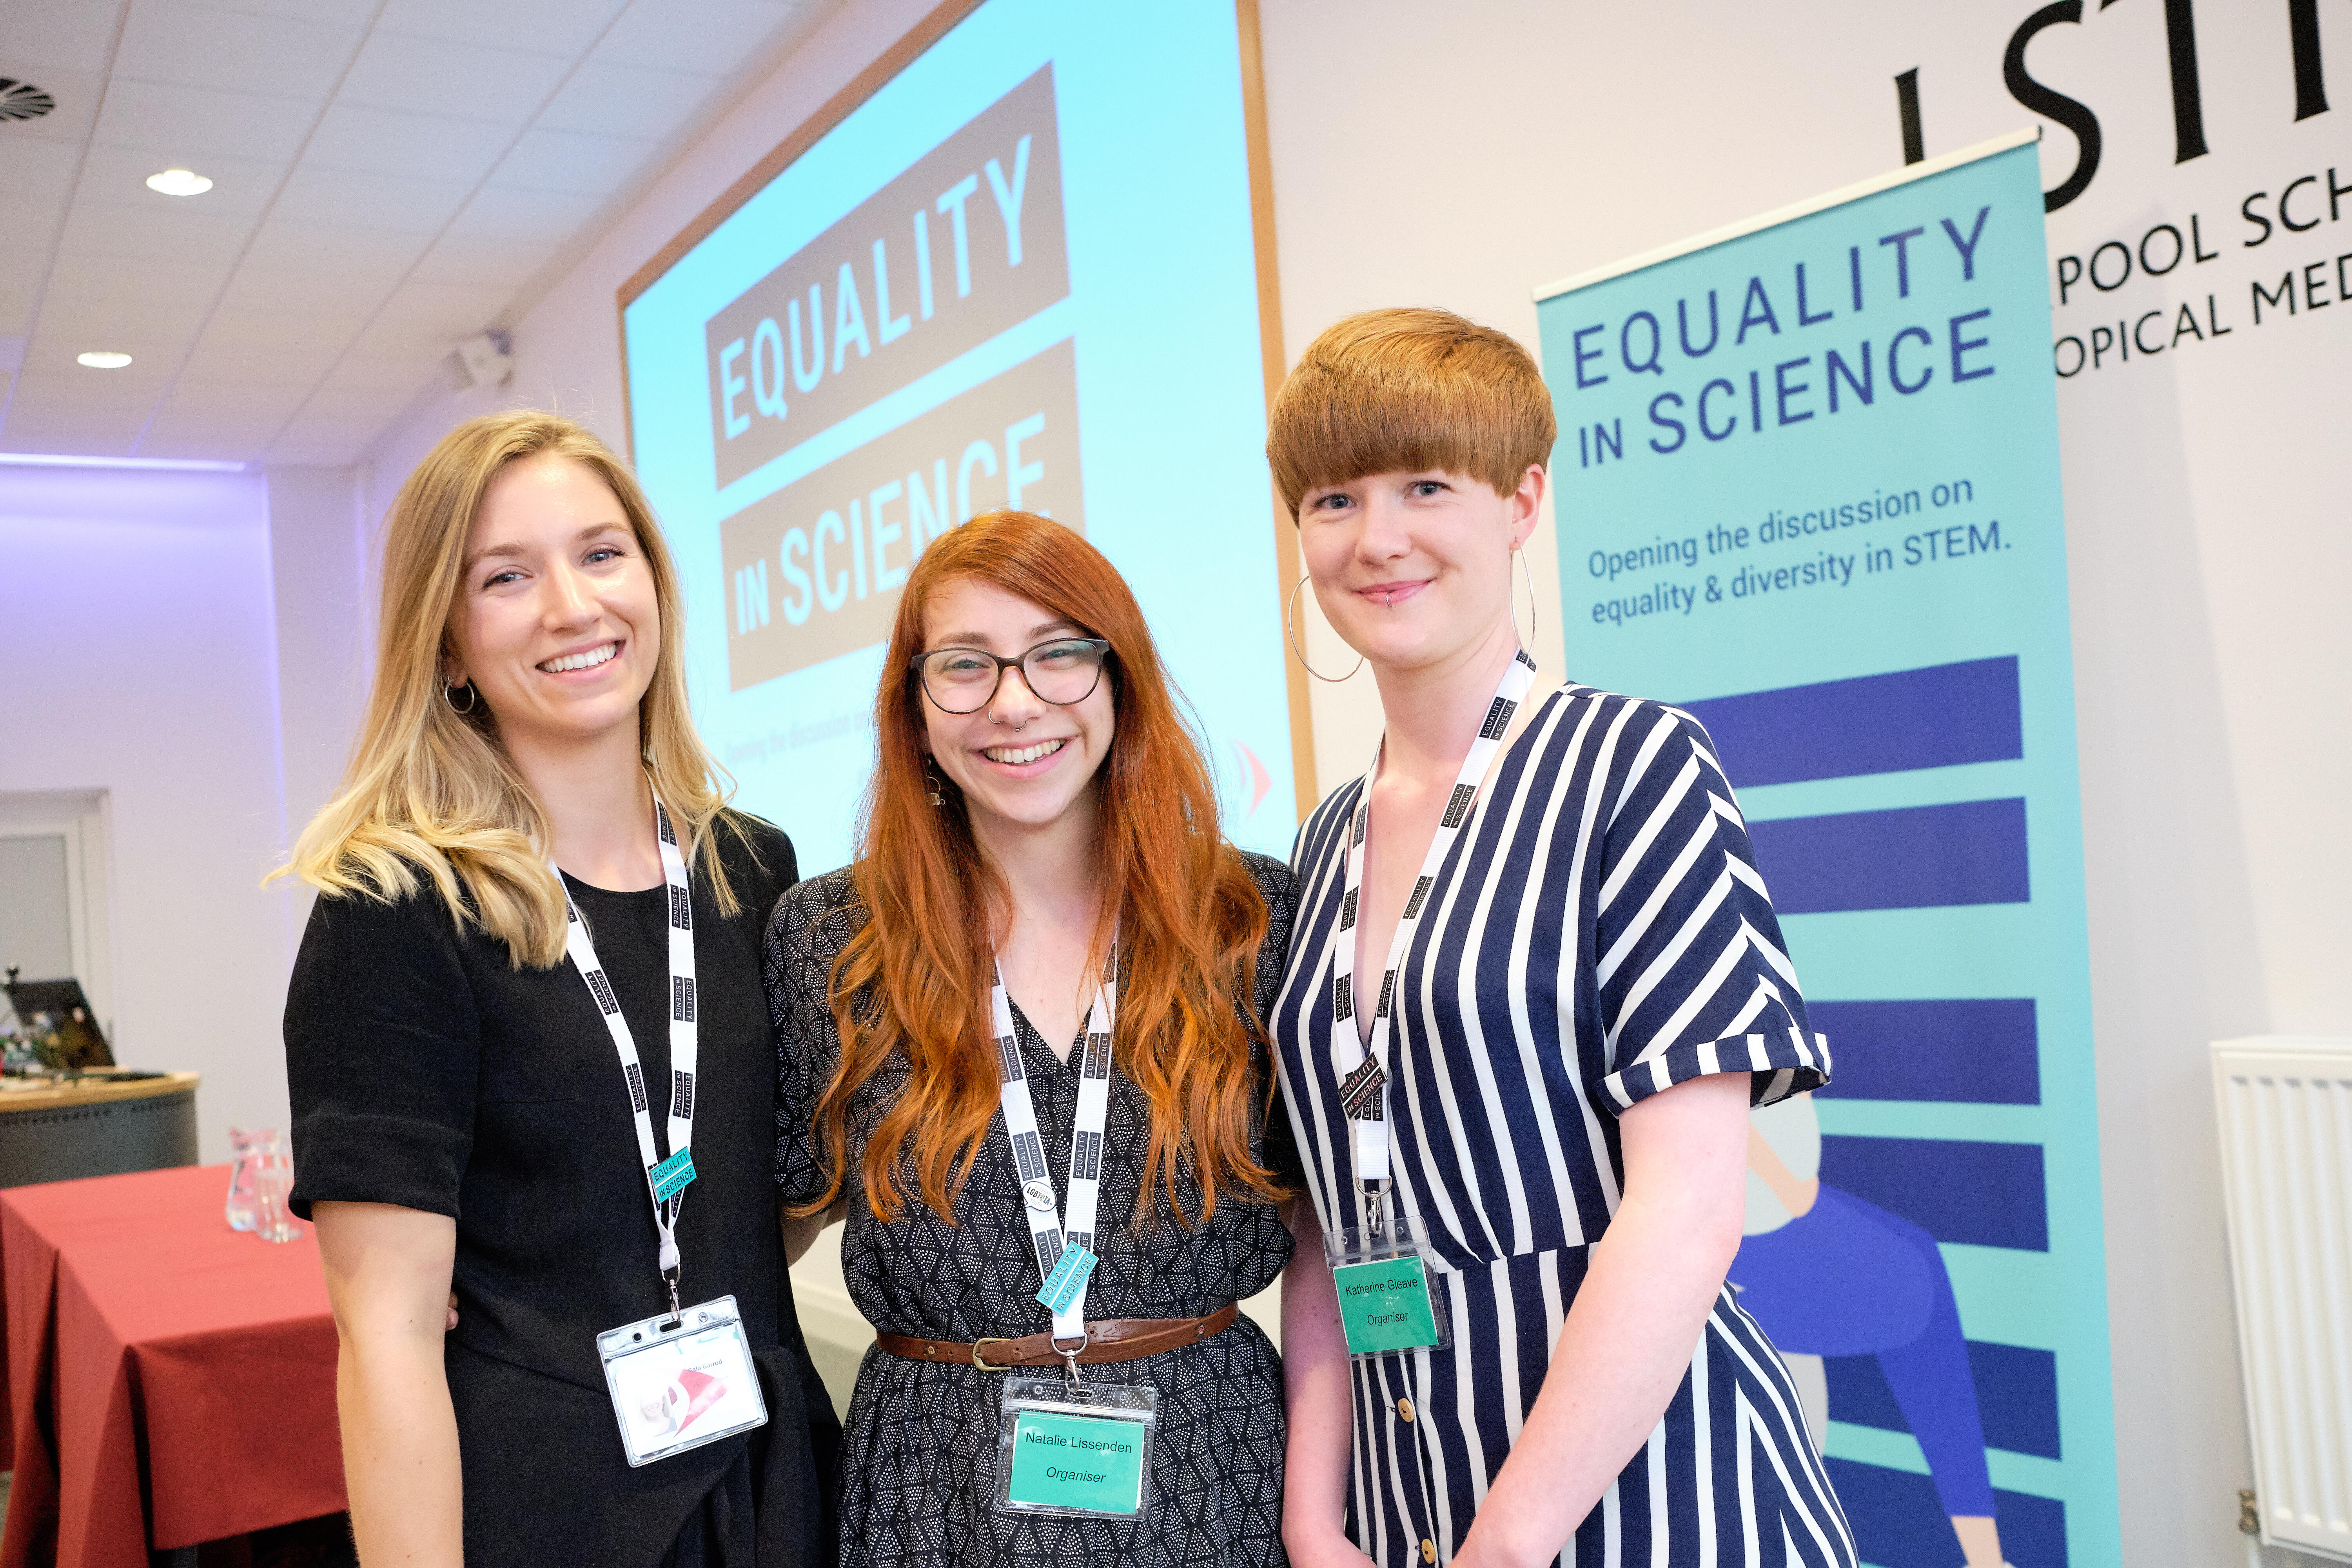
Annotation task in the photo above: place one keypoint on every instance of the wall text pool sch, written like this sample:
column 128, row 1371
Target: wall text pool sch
column 1797, row 549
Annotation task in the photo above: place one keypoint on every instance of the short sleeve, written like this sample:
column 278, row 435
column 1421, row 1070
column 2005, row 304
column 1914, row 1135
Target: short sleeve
column 1693, row 975
column 383, row 1047
column 804, row 936
column 1278, row 1146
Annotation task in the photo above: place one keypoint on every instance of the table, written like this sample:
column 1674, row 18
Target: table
column 168, row 1381
column 95, row 1126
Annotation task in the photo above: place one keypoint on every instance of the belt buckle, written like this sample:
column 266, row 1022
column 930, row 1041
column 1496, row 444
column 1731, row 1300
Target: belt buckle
column 978, row 1345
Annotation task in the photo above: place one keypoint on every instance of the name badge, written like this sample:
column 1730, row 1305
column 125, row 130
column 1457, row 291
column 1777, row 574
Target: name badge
column 1087, row 1453
column 679, row 1382
column 1386, row 1303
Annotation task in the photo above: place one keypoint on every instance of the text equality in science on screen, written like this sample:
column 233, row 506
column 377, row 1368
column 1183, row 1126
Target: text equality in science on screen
column 813, row 569
column 967, row 242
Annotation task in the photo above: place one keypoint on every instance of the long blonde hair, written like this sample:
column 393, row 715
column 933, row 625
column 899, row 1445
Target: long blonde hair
column 431, row 791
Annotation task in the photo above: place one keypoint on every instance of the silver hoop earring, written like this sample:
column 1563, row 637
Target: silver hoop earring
column 449, row 695
column 1290, row 635
column 1528, row 641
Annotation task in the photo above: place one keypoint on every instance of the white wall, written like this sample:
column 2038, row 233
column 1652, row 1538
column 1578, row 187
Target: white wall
column 137, row 634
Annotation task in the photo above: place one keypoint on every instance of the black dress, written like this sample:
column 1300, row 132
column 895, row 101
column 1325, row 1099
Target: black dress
column 425, row 1070
column 919, row 1461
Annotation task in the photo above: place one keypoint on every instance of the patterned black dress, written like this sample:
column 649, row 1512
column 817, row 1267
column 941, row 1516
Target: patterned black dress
column 920, row 1467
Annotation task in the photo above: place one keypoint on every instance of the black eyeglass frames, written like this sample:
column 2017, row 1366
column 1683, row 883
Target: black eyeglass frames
column 1060, row 670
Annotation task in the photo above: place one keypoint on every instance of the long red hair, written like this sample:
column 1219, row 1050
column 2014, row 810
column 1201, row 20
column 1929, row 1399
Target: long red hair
column 914, row 982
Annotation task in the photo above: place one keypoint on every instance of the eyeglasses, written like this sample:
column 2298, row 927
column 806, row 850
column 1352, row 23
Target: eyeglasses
column 964, row 679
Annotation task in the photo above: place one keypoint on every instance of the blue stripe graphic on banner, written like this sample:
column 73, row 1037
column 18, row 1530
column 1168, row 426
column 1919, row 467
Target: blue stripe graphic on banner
column 1933, row 718
column 1921, row 857
column 2017, row 1396
column 1898, row 1523
column 1983, row 1195
column 1981, row 1050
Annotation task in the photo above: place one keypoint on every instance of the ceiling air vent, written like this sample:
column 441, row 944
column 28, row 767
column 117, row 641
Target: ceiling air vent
column 23, row 101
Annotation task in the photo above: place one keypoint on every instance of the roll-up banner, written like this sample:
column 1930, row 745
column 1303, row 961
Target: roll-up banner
column 1808, row 487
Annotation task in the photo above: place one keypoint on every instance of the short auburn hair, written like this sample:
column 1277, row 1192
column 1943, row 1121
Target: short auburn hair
column 1409, row 389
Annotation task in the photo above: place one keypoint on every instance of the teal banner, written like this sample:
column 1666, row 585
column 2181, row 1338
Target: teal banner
column 1808, row 488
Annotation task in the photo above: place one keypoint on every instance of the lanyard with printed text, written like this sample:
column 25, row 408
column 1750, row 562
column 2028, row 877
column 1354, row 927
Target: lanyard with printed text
column 666, row 1180
column 1362, row 1065
column 1066, row 1255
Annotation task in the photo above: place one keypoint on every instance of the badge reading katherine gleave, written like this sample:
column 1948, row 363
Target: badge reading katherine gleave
column 681, row 1382
column 1086, row 1451
column 1383, row 1280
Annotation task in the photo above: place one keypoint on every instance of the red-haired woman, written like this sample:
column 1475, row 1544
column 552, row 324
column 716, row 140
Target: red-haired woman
column 1044, row 934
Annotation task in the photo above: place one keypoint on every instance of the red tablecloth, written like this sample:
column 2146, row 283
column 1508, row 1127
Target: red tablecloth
column 169, row 1380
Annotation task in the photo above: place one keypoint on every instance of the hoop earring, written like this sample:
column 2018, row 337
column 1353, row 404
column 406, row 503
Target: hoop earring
column 1527, row 576
column 1290, row 635
column 449, row 695
column 933, row 784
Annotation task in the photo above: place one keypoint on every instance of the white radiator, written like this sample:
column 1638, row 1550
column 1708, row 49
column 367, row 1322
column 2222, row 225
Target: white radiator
column 2285, row 1107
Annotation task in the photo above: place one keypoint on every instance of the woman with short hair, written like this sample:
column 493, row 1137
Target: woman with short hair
column 1536, row 985
column 529, row 1060
column 1020, row 1040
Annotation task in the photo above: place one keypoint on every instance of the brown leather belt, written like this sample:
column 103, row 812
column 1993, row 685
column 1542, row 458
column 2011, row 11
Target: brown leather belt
column 1107, row 1339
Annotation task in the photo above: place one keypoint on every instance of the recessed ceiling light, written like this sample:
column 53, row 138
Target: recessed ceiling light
column 104, row 358
column 179, row 183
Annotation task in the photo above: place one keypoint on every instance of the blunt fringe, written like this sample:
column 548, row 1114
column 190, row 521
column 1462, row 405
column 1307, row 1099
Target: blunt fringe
column 914, row 982
column 430, row 793
column 1409, row 390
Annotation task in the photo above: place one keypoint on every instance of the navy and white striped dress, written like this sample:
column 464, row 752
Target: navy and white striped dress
column 1599, row 933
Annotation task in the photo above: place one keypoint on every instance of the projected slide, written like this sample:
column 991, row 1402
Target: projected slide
column 1020, row 275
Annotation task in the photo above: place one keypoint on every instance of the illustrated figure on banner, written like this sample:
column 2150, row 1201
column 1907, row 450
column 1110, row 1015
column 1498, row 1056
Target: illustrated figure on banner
column 1828, row 1274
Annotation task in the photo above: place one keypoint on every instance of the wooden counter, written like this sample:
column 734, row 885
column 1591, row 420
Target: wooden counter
column 95, row 1126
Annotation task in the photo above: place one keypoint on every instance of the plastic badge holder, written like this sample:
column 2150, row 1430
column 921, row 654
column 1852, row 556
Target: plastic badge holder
column 679, row 1382
column 1086, row 1453
column 1390, row 1299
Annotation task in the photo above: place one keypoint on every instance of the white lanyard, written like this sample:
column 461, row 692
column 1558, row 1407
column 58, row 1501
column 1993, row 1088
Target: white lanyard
column 1362, row 1066
column 1045, row 1226
column 666, row 1180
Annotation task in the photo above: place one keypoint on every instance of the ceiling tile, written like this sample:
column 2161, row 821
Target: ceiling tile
column 72, row 432
column 286, row 331
column 240, row 365
column 524, row 215
column 713, row 35
column 389, row 142
column 570, row 161
column 51, row 356
column 29, row 222
column 362, row 256
column 610, row 99
column 118, row 176
column 433, row 76
column 410, row 375
column 391, row 202
column 453, row 310
column 43, row 171
column 180, row 282
column 127, row 324
column 232, row 50
column 74, row 388
column 565, row 27
column 406, row 340
column 372, row 408
column 78, row 98
column 66, row 36
column 349, row 12
column 194, row 122
column 460, row 258
column 309, row 295
column 160, row 235
column 195, row 403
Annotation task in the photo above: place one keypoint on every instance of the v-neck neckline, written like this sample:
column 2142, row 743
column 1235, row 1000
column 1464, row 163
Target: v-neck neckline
column 1061, row 1064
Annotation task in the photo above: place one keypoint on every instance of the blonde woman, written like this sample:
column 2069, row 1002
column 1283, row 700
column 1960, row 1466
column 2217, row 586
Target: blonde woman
column 538, row 930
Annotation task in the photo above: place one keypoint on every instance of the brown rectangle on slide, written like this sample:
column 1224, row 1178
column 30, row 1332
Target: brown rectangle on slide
column 966, row 243
column 815, row 570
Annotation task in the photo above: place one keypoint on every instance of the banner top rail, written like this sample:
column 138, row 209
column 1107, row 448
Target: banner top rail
column 1839, row 197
